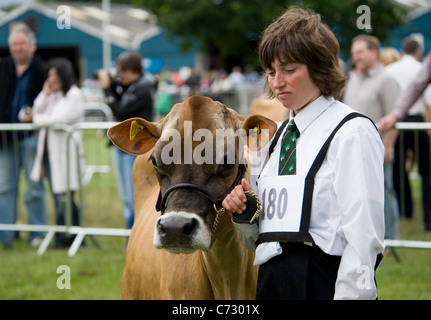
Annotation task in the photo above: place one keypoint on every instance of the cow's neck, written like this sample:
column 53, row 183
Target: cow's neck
column 227, row 261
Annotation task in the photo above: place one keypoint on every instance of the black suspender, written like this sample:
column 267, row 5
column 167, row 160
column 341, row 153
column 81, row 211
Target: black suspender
column 303, row 235
column 276, row 137
column 274, row 142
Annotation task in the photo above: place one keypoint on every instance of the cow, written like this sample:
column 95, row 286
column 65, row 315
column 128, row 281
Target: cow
column 269, row 108
column 202, row 257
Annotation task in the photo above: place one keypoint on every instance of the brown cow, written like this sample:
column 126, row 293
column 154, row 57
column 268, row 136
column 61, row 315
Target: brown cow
column 270, row 108
column 216, row 266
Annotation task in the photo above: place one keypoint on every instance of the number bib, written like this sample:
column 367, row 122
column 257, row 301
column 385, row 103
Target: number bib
column 281, row 199
column 286, row 200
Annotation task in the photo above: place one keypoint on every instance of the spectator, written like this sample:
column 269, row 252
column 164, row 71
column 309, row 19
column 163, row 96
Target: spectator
column 413, row 92
column 22, row 76
column 60, row 101
column 405, row 71
column 220, row 86
column 206, row 82
column 251, row 75
column 373, row 92
column 389, row 55
column 132, row 96
column 236, row 78
column 193, row 81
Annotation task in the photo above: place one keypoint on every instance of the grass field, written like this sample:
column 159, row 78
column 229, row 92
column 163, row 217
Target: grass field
column 409, row 278
column 96, row 273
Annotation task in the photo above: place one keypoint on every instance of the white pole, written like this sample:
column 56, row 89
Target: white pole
column 106, row 7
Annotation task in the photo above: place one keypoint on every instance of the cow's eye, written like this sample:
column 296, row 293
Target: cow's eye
column 154, row 162
column 160, row 168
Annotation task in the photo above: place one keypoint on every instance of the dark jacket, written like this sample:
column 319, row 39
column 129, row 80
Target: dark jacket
column 135, row 100
column 8, row 81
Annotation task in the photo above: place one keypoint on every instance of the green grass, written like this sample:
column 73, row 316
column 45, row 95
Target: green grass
column 409, row 278
column 405, row 280
column 96, row 273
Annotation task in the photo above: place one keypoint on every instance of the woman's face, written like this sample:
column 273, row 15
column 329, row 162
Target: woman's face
column 53, row 80
column 292, row 85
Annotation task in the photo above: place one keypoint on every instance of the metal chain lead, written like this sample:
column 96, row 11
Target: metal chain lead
column 258, row 205
column 222, row 210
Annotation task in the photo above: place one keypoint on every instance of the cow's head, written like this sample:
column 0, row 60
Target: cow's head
column 198, row 158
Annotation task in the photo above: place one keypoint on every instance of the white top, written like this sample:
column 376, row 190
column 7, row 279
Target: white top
column 53, row 109
column 347, row 217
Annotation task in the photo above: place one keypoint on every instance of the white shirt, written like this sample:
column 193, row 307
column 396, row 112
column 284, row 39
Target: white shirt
column 347, row 217
column 405, row 71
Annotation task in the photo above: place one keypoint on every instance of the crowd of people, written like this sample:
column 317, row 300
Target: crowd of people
column 381, row 84
column 46, row 94
column 219, row 85
column 213, row 83
column 43, row 94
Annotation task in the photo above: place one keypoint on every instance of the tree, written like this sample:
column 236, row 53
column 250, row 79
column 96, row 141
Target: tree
column 232, row 28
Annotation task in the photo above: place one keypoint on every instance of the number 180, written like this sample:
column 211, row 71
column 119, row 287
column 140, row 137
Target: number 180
column 274, row 202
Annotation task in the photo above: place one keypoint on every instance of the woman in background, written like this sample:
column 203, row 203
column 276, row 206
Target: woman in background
column 59, row 102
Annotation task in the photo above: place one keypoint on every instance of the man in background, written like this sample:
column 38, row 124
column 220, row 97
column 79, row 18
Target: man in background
column 373, row 92
column 22, row 76
column 130, row 95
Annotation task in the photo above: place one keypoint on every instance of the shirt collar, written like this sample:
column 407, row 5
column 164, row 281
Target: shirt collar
column 307, row 115
column 408, row 57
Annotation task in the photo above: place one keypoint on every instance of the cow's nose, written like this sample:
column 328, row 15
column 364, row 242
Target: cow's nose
column 176, row 228
column 181, row 232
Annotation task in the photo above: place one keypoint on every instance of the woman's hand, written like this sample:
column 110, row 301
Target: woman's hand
column 47, row 89
column 236, row 199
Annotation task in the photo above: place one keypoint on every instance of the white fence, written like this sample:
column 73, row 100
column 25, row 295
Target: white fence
column 402, row 128
column 86, row 173
column 91, row 169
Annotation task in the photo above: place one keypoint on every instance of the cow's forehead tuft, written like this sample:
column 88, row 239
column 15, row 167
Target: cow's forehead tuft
column 203, row 112
column 196, row 102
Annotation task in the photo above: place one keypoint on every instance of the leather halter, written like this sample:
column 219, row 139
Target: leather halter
column 215, row 200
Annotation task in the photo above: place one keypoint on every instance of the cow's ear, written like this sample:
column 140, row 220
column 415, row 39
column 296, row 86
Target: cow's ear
column 260, row 131
column 135, row 135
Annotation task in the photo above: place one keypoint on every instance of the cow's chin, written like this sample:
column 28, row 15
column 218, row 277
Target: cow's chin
column 179, row 250
column 180, row 232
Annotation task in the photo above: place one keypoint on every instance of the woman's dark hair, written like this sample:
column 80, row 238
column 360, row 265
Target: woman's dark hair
column 64, row 70
column 299, row 36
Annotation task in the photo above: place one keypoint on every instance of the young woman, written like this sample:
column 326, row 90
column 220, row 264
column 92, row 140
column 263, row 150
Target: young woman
column 60, row 101
column 322, row 226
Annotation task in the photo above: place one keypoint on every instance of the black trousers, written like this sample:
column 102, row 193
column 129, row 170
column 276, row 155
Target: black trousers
column 301, row 272
column 413, row 140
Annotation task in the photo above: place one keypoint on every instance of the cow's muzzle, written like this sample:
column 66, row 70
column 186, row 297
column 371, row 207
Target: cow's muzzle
column 181, row 232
